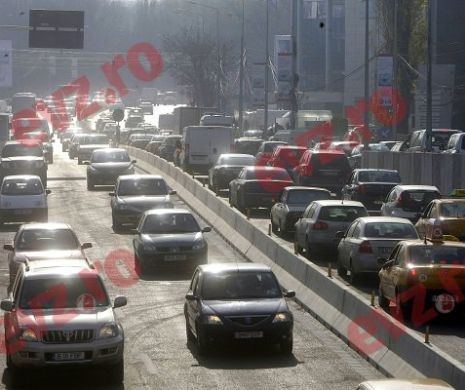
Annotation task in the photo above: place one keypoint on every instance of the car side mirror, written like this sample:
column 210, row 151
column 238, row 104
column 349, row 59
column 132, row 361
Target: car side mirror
column 86, row 245
column 172, row 192
column 340, row 234
column 111, row 194
column 120, row 301
column 48, row 192
column 8, row 247
column 206, row 229
column 381, row 260
column 289, row 294
column 190, row 296
column 6, row 305
column 134, row 161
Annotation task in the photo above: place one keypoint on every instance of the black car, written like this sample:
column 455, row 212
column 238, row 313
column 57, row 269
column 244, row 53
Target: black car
column 24, row 157
column 247, row 145
column 370, row 186
column 135, row 194
column 106, row 165
column 133, row 120
column 227, row 167
column 168, row 146
column 139, row 140
column 236, row 303
column 90, row 143
column 169, row 239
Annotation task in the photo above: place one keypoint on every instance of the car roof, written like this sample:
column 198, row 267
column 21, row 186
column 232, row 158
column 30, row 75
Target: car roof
column 449, row 200
column 167, row 211
column 111, row 150
column 236, row 155
column 416, row 187
column 139, row 177
column 263, row 168
column 23, row 142
column 338, row 202
column 249, row 139
column 410, row 384
column 231, row 267
column 384, row 219
column 293, row 147
column 421, row 242
column 302, row 188
column 59, row 267
column 21, row 177
column 45, row 226
column 374, row 170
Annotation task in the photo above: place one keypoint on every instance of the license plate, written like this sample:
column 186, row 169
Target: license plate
column 67, row 356
column 175, row 257
column 248, row 335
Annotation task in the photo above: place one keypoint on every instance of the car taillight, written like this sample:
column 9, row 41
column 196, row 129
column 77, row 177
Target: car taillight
column 318, row 225
column 365, row 247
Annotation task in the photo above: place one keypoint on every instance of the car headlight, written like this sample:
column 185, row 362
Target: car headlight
column 198, row 245
column 150, row 248
column 28, row 335
column 107, row 331
column 213, row 320
column 282, row 317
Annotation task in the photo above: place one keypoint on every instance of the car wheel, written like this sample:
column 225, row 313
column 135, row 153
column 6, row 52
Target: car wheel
column 274, row 227
column 286, row 346
column 241, row 203
column 117, row 226
column 282, row 229
column 202, row 345
column 116, row 373
column 63, row 149
column 341, row 270
column 382, row 300
column 50, row 161
column 354, row 276
column 230, row 199
column 189, row 335
column 309, row 252
column 45, row 216
column 90, row 185
column 297, row 248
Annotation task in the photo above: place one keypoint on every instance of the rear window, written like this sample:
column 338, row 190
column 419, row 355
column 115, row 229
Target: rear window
column 440, row 139
column 142, row 187
column 22, row 187
column 453, row 210
column 241, row 161
column 306, row 197
column 21, row 150
column 102, row 156
column 47, row 239
column 435, row 254
column 247, row 147
column 390, row 230
column 379, row 176
column 270, row 147
column 332, row 161
column 423, row 197
column 342, row 213
column 269, row 174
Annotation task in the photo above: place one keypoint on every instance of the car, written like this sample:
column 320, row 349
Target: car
column 400, row 146
column 44, row 138
column 135, row 111
column 448, row 214
column 366, row 240
column 370, row 186
column 439, row 140
column 38, row 241
column 74, row 142
column 287, row 157
column 154, row 143
column 253, row 133
column 146, row 107
column 355, row 158
column 322, row 168
column 139, row 140
column 59, row 314
column 257, row 187
column 66, row 136
column 226, row 169
column 23, row 198
column 135, row 194
column 213, row 119
column 266, row 150
column 389, row 144
column 409, row 201
column 233, row 303
column 317, row 230
column 291, row 205
column 247, row 145
column 24, row 157
column 344, row 146
column 133, row 120
column 169, row 238
column 106, row 165
column 90, row 143
column 168, row 146
column 403, row 384
column 420, row 277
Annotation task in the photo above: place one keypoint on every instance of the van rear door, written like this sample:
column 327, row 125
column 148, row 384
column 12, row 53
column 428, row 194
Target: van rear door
column 199, row 147
column 221, row 141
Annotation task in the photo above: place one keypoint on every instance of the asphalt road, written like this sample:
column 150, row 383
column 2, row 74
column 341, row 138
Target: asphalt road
column 156, row 353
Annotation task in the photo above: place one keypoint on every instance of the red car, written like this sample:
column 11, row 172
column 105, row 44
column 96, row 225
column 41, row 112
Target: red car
column 286, row 156
column 266, row 151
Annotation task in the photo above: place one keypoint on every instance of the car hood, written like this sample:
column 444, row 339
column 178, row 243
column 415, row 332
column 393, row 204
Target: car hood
column 111, row 166
column 48, row 254
column 245, row 306
column 75, row 318
column 179, row 239
column 143, row 200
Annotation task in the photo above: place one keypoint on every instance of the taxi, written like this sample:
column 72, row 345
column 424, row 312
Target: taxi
column 421, row 275
column 448, row 213
column 403, row 384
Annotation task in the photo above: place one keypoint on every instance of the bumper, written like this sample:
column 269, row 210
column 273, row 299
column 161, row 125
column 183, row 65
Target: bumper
column 223, row 181
column 260, row 199
column 105, row 178
column 335, row 187
column 366, row 264
column 128, row 217
column 101, row 352
column 174, row 260
column 21, row 215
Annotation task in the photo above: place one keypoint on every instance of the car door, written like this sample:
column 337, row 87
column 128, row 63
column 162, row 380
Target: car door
column 389, row 275
column 388, row 206
column 345, row 244
column 301, row 225
column 192, row 306
column 423, row 220
column 278, row 209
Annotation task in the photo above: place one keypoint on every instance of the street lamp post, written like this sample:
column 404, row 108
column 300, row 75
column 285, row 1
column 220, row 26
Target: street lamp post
column 241, row 70
column 267, row 64
column 366, row 118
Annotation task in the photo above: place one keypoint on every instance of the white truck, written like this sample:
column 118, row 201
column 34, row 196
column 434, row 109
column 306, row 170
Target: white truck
column 202, row 145
column 456, row 144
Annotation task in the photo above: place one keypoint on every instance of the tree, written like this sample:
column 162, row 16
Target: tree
column 191, row 58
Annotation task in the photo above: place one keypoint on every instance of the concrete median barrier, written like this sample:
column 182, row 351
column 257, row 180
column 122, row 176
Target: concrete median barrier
column 395, row 349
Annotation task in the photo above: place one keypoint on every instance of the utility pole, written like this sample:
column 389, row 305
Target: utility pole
column 328, row 44
column 366, row 117
column 267, row 64
column 218, row 62
column 241, row 70
column 295, row 77
column 394, row 101
column 429, row 81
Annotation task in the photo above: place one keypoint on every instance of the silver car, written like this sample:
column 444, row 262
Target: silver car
column 409, row 201
column 322, row 219
column 368, row 239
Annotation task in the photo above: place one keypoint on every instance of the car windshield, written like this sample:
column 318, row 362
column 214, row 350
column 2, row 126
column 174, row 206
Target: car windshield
column 418, row 197
column 148, row 187
column 437, row 254
column 240, row 285
column 440, row 139
column 80, row 292
column 232, row 160
column 341, row 213
column 104, row 156
column 453, row 210
column 390, row 230
column 22, row 187
column 47, row 239
column 21, row 150
column 379, row 176
column 267, row 174
column 170, row 223
column 302, row 197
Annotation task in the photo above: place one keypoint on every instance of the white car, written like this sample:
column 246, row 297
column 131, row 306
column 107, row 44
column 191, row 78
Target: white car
column 368, row 239
column 23, row 198
column 404, row 384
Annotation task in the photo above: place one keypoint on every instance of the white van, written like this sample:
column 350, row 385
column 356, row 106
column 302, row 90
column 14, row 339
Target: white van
column 216, row 120
column 22, row 199
column 202, row 145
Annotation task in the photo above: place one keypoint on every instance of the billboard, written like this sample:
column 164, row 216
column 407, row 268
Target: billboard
column 6, row 64
column 283, row 63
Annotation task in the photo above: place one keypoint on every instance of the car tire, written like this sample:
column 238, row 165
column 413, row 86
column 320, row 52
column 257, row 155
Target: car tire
column 286, row 346
column 45, row 216
column 308, row 251
column 63, row 149
column 274, row 227
column 297, row 248
column 282, row 229
column 50, row 161
column 90, row 185
column 117, row 226
column 189, row 335
column 230, row 200
column 341, row 270
column 354, row 277
column 116, row 373
column 202, row 345
column 382, row 300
